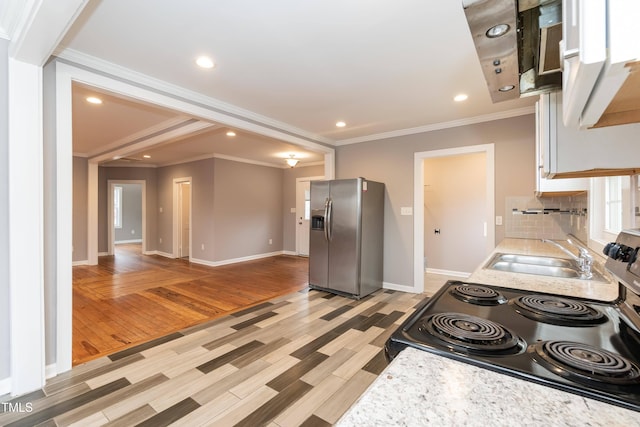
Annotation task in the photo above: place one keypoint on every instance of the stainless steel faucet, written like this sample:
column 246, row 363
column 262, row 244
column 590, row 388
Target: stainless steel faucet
column 584, row 259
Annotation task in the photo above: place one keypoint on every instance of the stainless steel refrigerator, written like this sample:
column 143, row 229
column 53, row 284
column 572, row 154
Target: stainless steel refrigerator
column 346, row 236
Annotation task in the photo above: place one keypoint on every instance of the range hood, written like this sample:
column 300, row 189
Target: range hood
column 518, row 45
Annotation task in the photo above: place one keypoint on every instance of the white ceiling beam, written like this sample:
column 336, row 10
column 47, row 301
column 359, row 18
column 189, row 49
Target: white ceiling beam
column 36, row 27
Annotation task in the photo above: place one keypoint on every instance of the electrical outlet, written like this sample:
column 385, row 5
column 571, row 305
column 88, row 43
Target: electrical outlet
column 202, row 246
column 160, row 209
column 498, row 220
column 406, row 210
column 133, row 231
column 161, row 240
column 271, row 241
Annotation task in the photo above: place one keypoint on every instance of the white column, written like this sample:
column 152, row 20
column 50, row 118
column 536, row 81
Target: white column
column 26, row 227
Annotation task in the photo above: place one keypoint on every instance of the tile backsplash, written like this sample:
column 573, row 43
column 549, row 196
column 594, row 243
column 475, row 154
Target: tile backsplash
column 546, row 217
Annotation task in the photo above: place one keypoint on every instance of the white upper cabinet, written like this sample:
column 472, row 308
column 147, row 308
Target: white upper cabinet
column 568, row 152
column 601, row 61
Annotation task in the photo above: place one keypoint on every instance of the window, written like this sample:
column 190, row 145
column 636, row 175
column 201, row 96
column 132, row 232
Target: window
column 117, row 206
column 613, row 204
column 307, row 205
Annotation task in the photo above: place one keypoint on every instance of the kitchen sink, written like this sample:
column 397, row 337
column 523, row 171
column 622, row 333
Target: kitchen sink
column 538, row 265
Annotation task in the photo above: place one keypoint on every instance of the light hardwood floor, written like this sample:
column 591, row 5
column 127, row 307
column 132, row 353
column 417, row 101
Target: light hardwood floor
column 131, row 298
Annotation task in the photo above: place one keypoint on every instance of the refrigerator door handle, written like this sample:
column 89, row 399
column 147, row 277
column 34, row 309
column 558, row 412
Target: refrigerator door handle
column 326, row 219
column 329, row 219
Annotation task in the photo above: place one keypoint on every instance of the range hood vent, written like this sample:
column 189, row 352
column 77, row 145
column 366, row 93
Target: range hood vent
column 518, row 45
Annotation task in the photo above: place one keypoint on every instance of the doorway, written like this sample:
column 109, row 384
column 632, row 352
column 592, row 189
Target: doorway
column 182, row 192
column 126, row 213
column 420, row 263
column 303, row 213
column 455, row 223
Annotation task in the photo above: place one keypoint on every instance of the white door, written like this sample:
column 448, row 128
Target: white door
column 303, row 216
column 455, row 212
column 185, row 216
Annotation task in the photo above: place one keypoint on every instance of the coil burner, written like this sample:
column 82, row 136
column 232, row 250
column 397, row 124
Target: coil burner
column 476, row 294
column 557, row 311
column 586, row 364
column 471, row 334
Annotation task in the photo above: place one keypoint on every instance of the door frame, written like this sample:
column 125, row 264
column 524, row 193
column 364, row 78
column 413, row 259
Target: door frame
column 111, row 183
column 298, row 181
column 418, row 200
column 177, row 214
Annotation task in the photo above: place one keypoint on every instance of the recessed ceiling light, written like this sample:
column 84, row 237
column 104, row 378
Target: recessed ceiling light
column 231, row 133
column 146, row 156
column 506, row 88
column 205, row 62
column 93, row 100
column 497, row 31
column 341, row 124
column 460, row 97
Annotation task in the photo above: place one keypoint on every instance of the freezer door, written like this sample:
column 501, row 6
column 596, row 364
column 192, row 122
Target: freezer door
column 344, row 231
column 318, row 243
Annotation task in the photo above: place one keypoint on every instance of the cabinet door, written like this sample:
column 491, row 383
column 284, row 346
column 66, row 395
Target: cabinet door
column 584, row 51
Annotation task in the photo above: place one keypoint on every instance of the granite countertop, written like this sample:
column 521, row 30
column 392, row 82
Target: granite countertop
column 593, row 289
column 422, row 389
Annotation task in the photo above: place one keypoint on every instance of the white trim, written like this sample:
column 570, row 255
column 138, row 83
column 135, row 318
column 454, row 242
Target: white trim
column 418, row 200
column 235, row 260
column 122, row 242
column 81, row 262
column 51, row 370
column 26, row 234
column 111, row 232
column 401, row 288
column 176, row 215
column 161, row 253
column 92, row 211
column 439, row 126
column 101, row 254
column 226, row 114
column 298, row 181
column 447, row 272
column 5, row 386
column 291, row 253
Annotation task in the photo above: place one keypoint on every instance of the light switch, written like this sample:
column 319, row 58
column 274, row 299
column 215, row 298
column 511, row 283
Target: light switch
column 406, row 210
column 498, row 220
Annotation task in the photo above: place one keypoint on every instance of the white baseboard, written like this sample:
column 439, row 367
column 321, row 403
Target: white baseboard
column 294, row 253
column 5, row 386
column 50, row 371
column 235, row 260
column 103, row 253
column 447, row 272
column 118, row 242
column 83, row 262
column 396, row 287
column 164, row 254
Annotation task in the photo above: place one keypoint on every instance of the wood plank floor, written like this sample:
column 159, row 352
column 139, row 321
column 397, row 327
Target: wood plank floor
column 131, row 298
column 299, row 359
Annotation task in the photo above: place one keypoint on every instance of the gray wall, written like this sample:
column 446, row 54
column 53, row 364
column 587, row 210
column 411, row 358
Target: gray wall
column 149, row 175
column 201, row 173
column 131, row 213
column 289, row 201
column 80, row 206
column 247, row 209
column 391, row 161
column 4, row 211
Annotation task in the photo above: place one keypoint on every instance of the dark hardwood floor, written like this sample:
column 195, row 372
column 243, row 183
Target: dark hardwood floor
column 130, row 298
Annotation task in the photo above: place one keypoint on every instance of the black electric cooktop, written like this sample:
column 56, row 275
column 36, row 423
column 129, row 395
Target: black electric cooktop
column 580, row 346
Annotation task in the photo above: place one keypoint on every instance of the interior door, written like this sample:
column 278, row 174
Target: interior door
column 185, row 219
column 303, row 217
column 455, row 212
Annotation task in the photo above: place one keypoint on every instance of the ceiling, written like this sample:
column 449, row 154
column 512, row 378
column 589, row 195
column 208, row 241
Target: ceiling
column 384, row 67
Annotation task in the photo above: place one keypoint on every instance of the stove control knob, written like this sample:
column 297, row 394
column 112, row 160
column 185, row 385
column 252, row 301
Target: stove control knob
column 612, row 250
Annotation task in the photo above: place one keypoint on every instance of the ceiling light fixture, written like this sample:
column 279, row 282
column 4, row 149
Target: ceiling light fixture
column 146, row 156
column 497, row 31
column 341, row 124
column 461, row 97
column 291, row 161
column 506, row 88
column 205, row 62
column 94, row 100
column 231, row 133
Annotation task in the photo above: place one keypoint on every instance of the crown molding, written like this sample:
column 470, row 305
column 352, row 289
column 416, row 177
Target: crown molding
column 114, row 70
column 439, row 126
